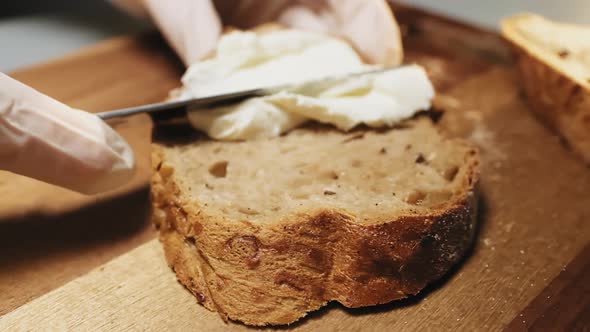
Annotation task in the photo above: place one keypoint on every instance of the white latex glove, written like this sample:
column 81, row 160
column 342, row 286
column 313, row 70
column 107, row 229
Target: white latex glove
column 49, row 141
column 193, row 27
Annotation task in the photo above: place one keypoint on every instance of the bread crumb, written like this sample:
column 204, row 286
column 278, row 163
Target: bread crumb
column 563, row 53
column 420, row 159
column 415, row 197
column 166, row 170
column 333, row 175
column 219, row 169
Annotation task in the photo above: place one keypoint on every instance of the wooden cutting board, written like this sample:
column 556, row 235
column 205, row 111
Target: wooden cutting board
column 529, row 266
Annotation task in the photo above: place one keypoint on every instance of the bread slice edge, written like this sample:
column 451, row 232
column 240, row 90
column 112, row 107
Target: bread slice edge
column 560, row 99
column 332, row 258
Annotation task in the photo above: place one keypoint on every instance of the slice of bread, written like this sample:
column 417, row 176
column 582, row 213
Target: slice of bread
column 265, row 231
column 554, row 61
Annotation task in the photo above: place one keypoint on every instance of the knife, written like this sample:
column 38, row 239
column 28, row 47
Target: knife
column 237, row 96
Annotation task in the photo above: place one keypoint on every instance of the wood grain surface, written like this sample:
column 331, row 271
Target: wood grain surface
column 564, row 304
column 49, row 235
column 528, row 268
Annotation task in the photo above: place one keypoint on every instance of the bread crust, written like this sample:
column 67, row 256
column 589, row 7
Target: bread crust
column 559, row 100
column 275, row 273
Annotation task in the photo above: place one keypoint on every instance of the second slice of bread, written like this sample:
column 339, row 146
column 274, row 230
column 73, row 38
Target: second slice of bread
column 265, row 231
column 554, row 62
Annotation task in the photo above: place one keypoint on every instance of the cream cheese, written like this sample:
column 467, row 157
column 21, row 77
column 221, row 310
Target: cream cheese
column 245, row 60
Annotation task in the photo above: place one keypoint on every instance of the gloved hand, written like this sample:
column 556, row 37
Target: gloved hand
column 49, row 141
column 193, row 27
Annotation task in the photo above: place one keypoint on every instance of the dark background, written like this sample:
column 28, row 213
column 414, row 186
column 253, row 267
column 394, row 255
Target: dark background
column 24, row 7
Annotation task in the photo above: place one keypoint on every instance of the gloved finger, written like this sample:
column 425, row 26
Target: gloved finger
column 368, row 24
column 44, row 139
column 192, row 27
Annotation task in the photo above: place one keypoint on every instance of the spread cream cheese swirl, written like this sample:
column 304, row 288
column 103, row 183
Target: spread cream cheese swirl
column 245, row 60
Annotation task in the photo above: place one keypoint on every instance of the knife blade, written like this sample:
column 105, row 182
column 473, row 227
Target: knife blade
column 204, row 103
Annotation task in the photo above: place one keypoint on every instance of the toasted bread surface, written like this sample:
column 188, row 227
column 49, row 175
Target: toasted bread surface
column 265, row 231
